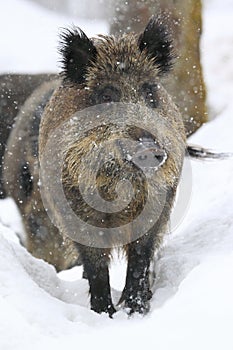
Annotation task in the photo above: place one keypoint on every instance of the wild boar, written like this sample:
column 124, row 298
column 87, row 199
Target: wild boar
column 112, row 94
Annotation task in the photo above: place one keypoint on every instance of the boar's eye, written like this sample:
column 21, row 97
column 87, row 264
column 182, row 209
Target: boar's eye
column 149, row 93
column 106, row 95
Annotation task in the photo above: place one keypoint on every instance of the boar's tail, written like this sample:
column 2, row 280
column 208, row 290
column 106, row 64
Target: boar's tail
column 201, row 153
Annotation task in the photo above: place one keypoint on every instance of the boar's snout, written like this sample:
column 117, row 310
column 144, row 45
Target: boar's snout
column 146, row 153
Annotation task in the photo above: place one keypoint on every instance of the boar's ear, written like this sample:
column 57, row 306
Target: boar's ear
column 78, row 51
column 158, row 43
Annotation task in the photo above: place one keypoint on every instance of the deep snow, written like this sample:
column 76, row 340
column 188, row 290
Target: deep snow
column 192, row 307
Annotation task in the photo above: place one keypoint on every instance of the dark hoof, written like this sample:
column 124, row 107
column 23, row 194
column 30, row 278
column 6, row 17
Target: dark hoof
column 139, row 303
column 99, row 306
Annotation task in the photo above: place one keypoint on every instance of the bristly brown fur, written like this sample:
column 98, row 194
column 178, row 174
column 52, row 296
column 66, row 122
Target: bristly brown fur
column 148, row 55
column 119, row 58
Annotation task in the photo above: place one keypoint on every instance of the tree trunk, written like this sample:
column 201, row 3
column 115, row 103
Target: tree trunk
column 186, row 83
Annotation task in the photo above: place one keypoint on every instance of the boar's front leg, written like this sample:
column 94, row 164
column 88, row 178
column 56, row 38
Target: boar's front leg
column 136, row 294
column 95, row 263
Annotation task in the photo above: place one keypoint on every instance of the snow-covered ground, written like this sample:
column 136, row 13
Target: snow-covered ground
column 192, row 307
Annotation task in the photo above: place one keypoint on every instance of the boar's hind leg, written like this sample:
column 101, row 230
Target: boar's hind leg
column 136, row 294
column 95, row 264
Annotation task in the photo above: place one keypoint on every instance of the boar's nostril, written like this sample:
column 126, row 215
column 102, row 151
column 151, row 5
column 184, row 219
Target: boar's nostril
column 160, row 158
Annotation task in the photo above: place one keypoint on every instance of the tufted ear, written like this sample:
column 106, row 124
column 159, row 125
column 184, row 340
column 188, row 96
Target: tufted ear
column 157, row 42
column 78, row 51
